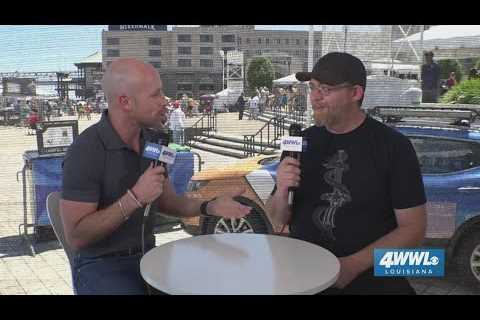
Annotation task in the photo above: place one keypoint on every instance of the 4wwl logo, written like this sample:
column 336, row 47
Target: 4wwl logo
column 409, row 262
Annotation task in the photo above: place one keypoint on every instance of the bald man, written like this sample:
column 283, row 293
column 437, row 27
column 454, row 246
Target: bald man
column 107, row 184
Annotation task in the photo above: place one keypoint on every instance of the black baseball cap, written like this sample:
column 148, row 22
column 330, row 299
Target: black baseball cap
column 336, row 68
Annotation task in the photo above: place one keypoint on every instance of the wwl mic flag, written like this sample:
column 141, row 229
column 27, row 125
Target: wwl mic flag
column 160, row 153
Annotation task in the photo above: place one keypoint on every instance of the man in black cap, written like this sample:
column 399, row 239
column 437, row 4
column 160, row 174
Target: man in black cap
column 359, row 185
column 430, row 79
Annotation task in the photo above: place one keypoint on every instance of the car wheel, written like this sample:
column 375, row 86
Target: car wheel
column 467, row 258
column 255, row 222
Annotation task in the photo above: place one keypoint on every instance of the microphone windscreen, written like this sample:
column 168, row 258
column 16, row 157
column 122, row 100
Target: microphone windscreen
column 295, row 130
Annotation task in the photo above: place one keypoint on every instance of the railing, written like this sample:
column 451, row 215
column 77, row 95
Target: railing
column 202, row 127
column 298, row 116
column 462, row 116
column 272, row 130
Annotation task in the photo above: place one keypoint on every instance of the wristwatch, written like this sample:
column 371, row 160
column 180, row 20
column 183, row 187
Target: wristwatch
column 203, row 208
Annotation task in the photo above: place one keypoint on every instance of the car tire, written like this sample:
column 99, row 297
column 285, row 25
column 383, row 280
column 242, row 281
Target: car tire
column 466, row 255
column 255, row 222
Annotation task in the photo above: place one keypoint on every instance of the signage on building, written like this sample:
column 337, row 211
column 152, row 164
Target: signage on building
column 137, row 27
column 19, row 86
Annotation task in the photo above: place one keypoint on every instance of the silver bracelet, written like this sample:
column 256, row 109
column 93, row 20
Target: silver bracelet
column 134, row 198
column 122, row 210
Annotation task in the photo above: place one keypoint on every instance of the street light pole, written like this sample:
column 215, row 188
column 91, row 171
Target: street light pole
column 222, row 54
column 310, row 67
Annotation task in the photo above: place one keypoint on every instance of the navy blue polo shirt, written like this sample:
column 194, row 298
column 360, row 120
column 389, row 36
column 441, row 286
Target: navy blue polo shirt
column 430, row 76
column 100, row 167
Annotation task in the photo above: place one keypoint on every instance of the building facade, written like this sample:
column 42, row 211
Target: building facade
column 188, row 58
column 189, row 61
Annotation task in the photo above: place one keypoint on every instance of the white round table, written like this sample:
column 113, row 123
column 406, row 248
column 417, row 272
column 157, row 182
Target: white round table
column 236, row 263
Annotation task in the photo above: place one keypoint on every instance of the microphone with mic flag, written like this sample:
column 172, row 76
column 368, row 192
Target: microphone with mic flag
column 292, row 146
column 162, row 155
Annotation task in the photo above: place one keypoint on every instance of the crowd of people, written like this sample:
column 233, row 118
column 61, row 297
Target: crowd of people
column 287, row 99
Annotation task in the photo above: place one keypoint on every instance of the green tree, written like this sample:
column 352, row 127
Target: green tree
column 260, row 73
column 477, row 64
column 466, row 92
column 449, row 65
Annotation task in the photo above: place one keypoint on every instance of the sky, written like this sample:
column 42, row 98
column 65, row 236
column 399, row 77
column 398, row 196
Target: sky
column 47, row 47
column 57, row 48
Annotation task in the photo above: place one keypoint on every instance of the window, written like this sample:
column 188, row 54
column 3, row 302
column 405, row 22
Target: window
column 184, row 87
column 267, row 41
column 156, row 64
column 287, row 42
column 248, row 40
column 206, row 50
column 184, row 62
column 113, row 41
column 317, row 53
column 184, row 38
column 239, row 41
column 258, row 52
column 297, row 42
column 206, row 87
column 113, row 53
column 206, row 63
column 277, row 41
column 228, row 38
column 154, row 53
column 437, row 155
column 228, row 49
column 206, row 38
column 154, row 41
column 259, row 40
column 184, row 50
column 306, row 42
column 317, row 42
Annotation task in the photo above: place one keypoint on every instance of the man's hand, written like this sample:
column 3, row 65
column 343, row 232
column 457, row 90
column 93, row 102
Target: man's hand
column 150, row 185
column 225, row 206
column 348, row 272
column 288, row 174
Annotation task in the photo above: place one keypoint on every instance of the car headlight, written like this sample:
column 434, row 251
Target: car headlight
column 195, row 185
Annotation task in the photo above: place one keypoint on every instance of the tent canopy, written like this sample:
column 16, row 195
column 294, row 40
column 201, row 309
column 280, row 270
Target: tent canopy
column 288, row 80
column 396, row 65
column 446, row 37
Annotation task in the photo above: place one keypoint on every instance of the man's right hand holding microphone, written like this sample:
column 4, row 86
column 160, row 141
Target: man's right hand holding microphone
column 288, row 176
column 150, row 185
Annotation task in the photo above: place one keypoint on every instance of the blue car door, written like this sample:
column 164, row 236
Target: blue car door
column 451, row 175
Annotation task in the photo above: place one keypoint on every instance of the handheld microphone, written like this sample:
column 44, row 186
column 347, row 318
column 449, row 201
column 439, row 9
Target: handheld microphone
column 162, row 155
column 292, row 146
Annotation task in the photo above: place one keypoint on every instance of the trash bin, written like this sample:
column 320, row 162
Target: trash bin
column 42, row 174
column 179, row 173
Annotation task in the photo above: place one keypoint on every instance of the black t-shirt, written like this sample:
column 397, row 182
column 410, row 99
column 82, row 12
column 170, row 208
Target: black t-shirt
column 350, row 185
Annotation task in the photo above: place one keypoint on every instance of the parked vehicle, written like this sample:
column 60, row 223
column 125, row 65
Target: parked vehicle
column 450, row 162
